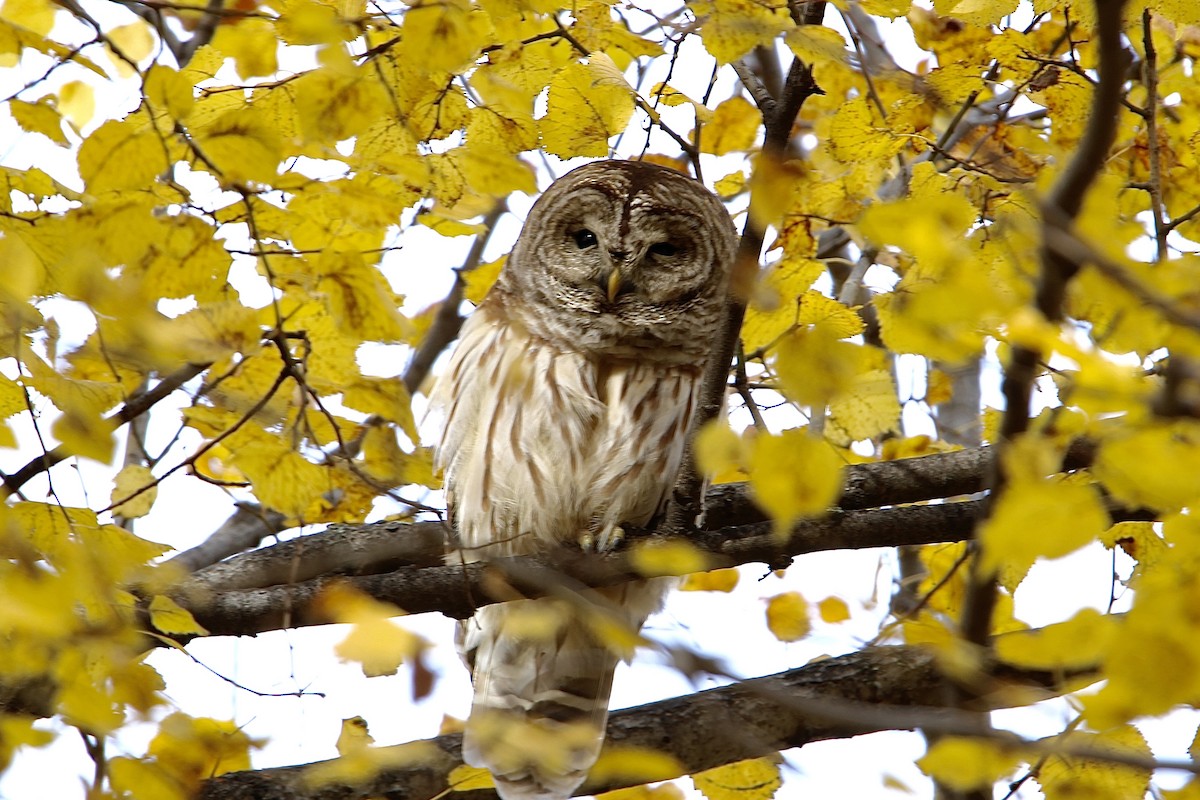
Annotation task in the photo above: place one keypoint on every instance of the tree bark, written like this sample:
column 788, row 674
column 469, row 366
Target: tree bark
column 879, row 688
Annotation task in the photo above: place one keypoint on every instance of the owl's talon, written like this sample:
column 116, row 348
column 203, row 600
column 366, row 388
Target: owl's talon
column 610, row 539
column 586, row 542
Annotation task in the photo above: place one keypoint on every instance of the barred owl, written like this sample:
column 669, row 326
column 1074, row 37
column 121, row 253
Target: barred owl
column 567, row 403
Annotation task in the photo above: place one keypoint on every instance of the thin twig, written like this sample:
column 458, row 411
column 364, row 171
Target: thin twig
column 137, row 405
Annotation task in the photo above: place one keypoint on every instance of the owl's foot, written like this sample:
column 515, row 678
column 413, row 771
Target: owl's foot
column 602, row 540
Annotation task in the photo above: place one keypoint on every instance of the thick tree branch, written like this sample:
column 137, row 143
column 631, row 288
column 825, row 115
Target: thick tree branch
column 245, row 528
column 880, row 688
column 459, row 590
column 379, row 547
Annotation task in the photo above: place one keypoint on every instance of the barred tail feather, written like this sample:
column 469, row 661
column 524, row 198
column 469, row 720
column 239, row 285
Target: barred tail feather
column 540, row 705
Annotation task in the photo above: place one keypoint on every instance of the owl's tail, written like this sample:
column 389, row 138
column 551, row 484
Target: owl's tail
column 542, row 683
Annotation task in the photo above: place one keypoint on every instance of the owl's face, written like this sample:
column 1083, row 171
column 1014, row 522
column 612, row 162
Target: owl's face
column 622, row 257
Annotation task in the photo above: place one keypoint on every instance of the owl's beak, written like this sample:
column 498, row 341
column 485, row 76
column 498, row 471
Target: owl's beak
column 613, row 286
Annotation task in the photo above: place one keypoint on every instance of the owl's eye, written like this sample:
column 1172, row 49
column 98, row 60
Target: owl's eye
column 584, row 239
column 663, row 249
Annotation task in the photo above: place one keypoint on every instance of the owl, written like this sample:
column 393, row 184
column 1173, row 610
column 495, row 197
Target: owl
column 567, row 403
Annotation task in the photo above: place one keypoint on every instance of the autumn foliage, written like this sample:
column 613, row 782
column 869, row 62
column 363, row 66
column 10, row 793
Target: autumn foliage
column 210, row 213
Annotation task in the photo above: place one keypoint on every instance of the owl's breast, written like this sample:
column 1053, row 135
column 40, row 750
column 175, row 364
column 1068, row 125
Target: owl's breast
column 547, row 446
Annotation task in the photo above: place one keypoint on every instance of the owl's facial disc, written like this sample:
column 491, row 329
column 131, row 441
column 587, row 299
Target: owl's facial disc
column 617, row 263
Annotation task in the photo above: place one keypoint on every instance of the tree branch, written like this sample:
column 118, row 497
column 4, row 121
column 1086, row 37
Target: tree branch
column 135, row 407
column 879, row 688
column 778, row 118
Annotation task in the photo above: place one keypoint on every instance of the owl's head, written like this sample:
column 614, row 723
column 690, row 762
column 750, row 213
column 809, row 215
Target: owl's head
column 623, row 257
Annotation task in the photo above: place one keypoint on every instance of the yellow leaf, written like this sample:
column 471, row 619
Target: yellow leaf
column 134, row 40
column 450, row 227
column 1155, row 466
column 170, row 91
column 814, row 367
column 480, row 280
column 930, row 225
column 1041, row 519
column 134, row 479
column 253, row 45
column 169, row 617
column 816, row 44
column 1180, row 11
column 540, row 622
column 965, row 764
column 465, row 778
column 731, row 28
column 717, row 580
column 1067, row 778
column 375, row 642
column 625, row 764
column 283, row 479
column 828, row 315
column 445, row 36
column 135, row 777
column 1138, row 540
column 12, row 397
column 359, row 299
column 731, row 185
column 774, row 185
column 775, row 304
column 664, row 791
column 753, row 779
column 1077, row 643
column 793, row 475
column 242, row 144
column 360, row 767
column 77, row 102
column 120, row 155
column 353, row 737
column 493, row 171
column 833, row 610
column 18, row 731
column 720, row 452
column 84, row 704
column 386, row 397
column 787, row 617
column 1189, row 791
column 939, row 387
column 193, row 749
column 856, row 135
column 587, row 106
column 653, row 558
column 734, row 126
column 311, row 22
column 867, row 408
column 36, row 16
column 40, row 117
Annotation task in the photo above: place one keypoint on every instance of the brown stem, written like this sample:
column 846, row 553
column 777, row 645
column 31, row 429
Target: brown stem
column 1063, row 204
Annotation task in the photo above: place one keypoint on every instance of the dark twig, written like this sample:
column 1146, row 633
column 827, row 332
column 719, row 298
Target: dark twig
column 1062, row 205
column 447, row 321
column 686, row 498
column 137, row 405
